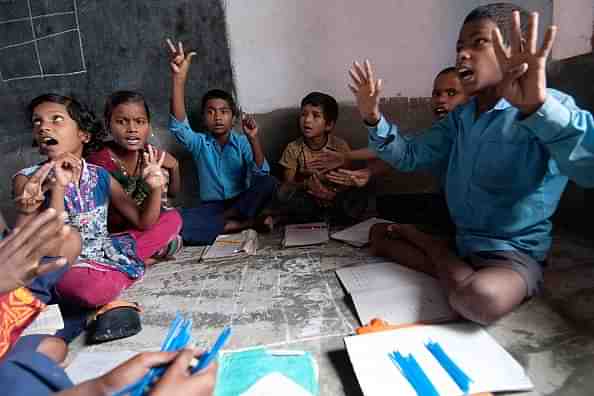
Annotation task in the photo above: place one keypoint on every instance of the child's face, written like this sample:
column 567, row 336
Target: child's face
column 218, row 116
column 313, row 123
column 129, row 126
column 476, row 62
column 447, row 94
column 56, row 132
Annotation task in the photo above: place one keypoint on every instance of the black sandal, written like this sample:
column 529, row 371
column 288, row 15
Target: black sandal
column 118, row 319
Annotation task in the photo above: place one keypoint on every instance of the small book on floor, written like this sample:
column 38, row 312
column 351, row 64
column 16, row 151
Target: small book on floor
column 49, row 321
column 358, row 235
column 448, row 359
column 232, row 245
column 395, row 293
column 305, row 234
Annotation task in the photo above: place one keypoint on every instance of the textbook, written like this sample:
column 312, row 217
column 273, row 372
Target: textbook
column 231, row 245
column 358, row 235
column 477, row 358
column 395, row 294
column 305, row 234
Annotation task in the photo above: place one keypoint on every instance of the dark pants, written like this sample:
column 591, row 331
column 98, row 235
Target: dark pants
column 203, row 224
column 24, row 371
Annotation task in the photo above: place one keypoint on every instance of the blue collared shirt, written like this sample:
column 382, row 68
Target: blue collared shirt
column 504, row 175
column 224, row 172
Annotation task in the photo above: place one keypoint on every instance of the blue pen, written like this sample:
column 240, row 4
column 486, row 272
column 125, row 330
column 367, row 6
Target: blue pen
column 209, row 356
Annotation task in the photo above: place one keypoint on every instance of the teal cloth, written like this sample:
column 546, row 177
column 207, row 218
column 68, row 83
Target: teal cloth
column 239, row 371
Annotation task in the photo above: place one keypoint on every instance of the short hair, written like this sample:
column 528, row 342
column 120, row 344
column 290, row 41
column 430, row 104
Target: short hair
column 120, row 97
column 500, row 15
column 219, row 94
column 449, row 69
column 326, row 102
column 81, row 114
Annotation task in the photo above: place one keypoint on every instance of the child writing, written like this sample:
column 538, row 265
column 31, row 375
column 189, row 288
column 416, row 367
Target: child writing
column 234, row 175
column 127, row 118
column 506, row 155
column 307, row 194
column 107, row 264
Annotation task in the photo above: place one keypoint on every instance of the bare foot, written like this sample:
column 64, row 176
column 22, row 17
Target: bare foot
column 430, row 245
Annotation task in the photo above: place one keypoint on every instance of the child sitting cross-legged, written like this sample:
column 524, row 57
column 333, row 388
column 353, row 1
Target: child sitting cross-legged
column 235, row 183
column 307, row 193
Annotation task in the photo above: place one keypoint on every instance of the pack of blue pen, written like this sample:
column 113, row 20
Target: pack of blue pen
column 178, row 337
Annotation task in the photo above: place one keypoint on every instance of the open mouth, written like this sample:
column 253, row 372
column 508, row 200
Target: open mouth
column 440, row 112
column 48, row 141
column 133, row 141
column 465, row 74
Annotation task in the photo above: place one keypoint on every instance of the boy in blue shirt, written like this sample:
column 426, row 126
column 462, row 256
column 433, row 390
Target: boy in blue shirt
column 506, row 155
column 235, row 183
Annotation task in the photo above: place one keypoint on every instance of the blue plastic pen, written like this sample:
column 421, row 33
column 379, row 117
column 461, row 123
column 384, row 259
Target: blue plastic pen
column 209, row 356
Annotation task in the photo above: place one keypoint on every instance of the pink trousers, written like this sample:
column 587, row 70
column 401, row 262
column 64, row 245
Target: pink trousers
column 90, row 287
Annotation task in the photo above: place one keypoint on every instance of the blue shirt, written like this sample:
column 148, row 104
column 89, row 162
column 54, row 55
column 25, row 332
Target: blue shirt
column 504, row 174
column 224, row 172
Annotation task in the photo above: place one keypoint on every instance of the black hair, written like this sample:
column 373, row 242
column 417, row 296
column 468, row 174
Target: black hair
column 449, row 69
column 500, row 15
column 326, row 102
column 120, row 97
column 219, row 94
column 85, row 119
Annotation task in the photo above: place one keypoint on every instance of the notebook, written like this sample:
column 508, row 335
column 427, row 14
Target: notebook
column 267, row 372
column 305, row 234
column 358, row 235
column 49, row 321
column 395, row 294
column 231, row 245
column 490, row 367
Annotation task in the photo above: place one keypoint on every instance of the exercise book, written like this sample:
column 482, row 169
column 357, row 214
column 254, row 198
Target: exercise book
column 395, row 294
column 488, row 365
column 305, row 234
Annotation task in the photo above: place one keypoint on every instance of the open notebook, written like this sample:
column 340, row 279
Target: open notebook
column 489, row 367
column 358, row 235
column 395, row 294
column 49, row 321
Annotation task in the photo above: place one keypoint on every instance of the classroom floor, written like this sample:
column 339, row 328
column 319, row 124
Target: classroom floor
column 291, row 299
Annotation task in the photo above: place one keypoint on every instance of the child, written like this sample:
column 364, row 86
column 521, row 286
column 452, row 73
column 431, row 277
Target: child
column 506, row 155
column 107, row 264
column 127, row 119
column 234, row 176
column 306, row 193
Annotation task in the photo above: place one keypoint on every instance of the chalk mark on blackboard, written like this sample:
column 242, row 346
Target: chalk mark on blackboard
column 36, row 39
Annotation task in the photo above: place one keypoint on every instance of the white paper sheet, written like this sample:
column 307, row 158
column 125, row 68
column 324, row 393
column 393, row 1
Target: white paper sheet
column 358, row 235
column 305, row 234
column 395, row 294
column 47, row 322
column 489, row 366
column 89, row 365
column 276, row 384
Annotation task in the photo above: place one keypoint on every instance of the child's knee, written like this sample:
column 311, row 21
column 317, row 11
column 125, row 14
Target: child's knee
column 172, row 220
column 90, row 288
column 481, row 301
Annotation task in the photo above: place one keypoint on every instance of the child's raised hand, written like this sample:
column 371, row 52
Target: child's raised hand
column 345, row 177
column 67, row 169
column 152, row 172
column 178, row 60
column 523, row 66
column 366, row 90
column 32, row 196
column 249, row 125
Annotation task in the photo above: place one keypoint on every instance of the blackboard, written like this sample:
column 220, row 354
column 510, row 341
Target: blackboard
column 90, row 48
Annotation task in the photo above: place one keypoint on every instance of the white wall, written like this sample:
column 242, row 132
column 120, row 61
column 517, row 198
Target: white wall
column 574, row 18
column 282, row 49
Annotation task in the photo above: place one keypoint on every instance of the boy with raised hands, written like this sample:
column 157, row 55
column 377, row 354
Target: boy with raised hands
column 507, row 155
